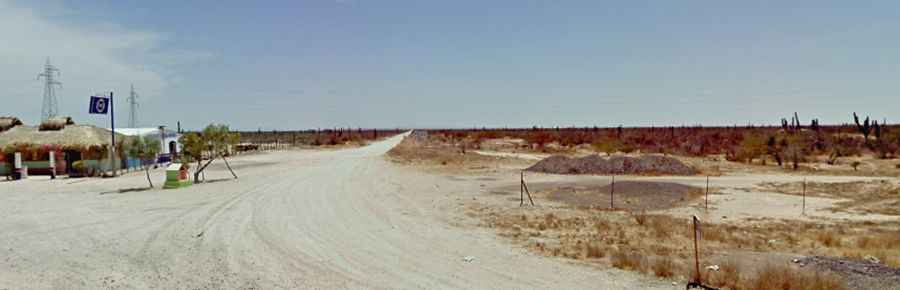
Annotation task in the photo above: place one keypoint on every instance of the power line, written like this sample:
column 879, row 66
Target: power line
column 50, row 108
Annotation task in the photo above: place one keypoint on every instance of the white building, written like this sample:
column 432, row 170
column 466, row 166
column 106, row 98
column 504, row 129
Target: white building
column 168, row 140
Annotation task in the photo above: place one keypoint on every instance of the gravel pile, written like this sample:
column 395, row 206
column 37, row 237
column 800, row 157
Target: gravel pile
column 594, row 164
column 858, row 274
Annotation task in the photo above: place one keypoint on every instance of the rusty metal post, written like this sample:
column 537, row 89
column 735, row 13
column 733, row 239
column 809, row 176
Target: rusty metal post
column 612, row 190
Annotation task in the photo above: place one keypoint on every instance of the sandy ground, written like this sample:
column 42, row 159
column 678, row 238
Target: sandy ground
column 294, row 219
column 736, row 197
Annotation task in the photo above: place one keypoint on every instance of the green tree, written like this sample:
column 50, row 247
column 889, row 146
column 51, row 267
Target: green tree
column 215, row 141
column 143, row 150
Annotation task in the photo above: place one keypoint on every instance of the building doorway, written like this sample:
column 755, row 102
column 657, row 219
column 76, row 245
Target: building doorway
column 173, row 149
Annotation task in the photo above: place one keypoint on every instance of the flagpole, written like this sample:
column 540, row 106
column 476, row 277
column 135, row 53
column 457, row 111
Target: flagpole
column 112, row 123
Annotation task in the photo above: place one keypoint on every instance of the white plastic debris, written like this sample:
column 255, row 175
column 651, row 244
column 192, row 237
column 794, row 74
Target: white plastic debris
column 872, row 259
column 468, row 259
column 713, row 267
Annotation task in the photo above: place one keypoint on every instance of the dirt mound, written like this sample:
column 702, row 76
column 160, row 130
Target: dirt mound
column 594, row 164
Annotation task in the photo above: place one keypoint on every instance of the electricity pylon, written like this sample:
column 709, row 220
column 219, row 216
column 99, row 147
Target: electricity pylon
column 133, row 104
column 49, row 109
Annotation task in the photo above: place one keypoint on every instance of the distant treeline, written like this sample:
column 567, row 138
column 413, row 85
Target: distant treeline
column 316, row 137
column 792, row 141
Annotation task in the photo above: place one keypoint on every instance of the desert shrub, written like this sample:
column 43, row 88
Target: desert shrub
column 796, row 150
column 728, row 276
column 782, row 277
column 607, row 145
column 601, row 226
column 714, row 233
column 828, row 239
column 751, row 147
column 880, row 241
column 626, row 260
column 539, row 138
column 662, row 226
column 640, row 217
column 593, row 250
column 663, row 267
column 855, row 165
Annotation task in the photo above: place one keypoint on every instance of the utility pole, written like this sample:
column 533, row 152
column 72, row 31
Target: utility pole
column 49, row 109
column 133, row 105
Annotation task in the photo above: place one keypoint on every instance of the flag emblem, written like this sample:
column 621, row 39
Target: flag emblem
column 99, row 105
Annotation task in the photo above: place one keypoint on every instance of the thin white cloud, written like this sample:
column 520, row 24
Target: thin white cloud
column 99, row 57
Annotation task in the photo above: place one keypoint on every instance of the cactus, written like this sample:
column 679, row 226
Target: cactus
column 863, row 127
column 877, row 130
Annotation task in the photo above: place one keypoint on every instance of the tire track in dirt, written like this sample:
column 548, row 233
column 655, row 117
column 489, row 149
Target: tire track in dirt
column 182, row 228
column 307, row 219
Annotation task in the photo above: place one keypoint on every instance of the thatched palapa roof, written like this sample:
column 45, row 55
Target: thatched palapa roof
column 8, row 122
column 74, row 137
column 55, row 123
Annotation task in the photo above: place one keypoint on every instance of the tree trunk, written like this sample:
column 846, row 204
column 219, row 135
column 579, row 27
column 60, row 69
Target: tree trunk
column 200, row 170
column 147, row 169
column 229, row 167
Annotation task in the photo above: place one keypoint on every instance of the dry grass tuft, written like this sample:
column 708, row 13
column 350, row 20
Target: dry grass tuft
column 663, row 243
column 663, row 227
column 782, row 277
column 593, row 250
column 601, row 226
column 640, row 217
column 663, row 267
column 728, row 276
column 627, row 260
column 828, row 239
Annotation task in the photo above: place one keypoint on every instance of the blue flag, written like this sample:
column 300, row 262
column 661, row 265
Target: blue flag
column 99, row 105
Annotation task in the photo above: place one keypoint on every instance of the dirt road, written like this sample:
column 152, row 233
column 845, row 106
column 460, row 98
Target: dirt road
column 298, row 219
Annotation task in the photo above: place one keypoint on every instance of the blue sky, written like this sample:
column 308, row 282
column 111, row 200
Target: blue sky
column 307, row 64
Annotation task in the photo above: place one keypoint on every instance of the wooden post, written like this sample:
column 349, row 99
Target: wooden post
column 522, row 188
column 697, row 250
column 612, row 189
column 707, row 194
column 525, row 186
column 803, row 210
